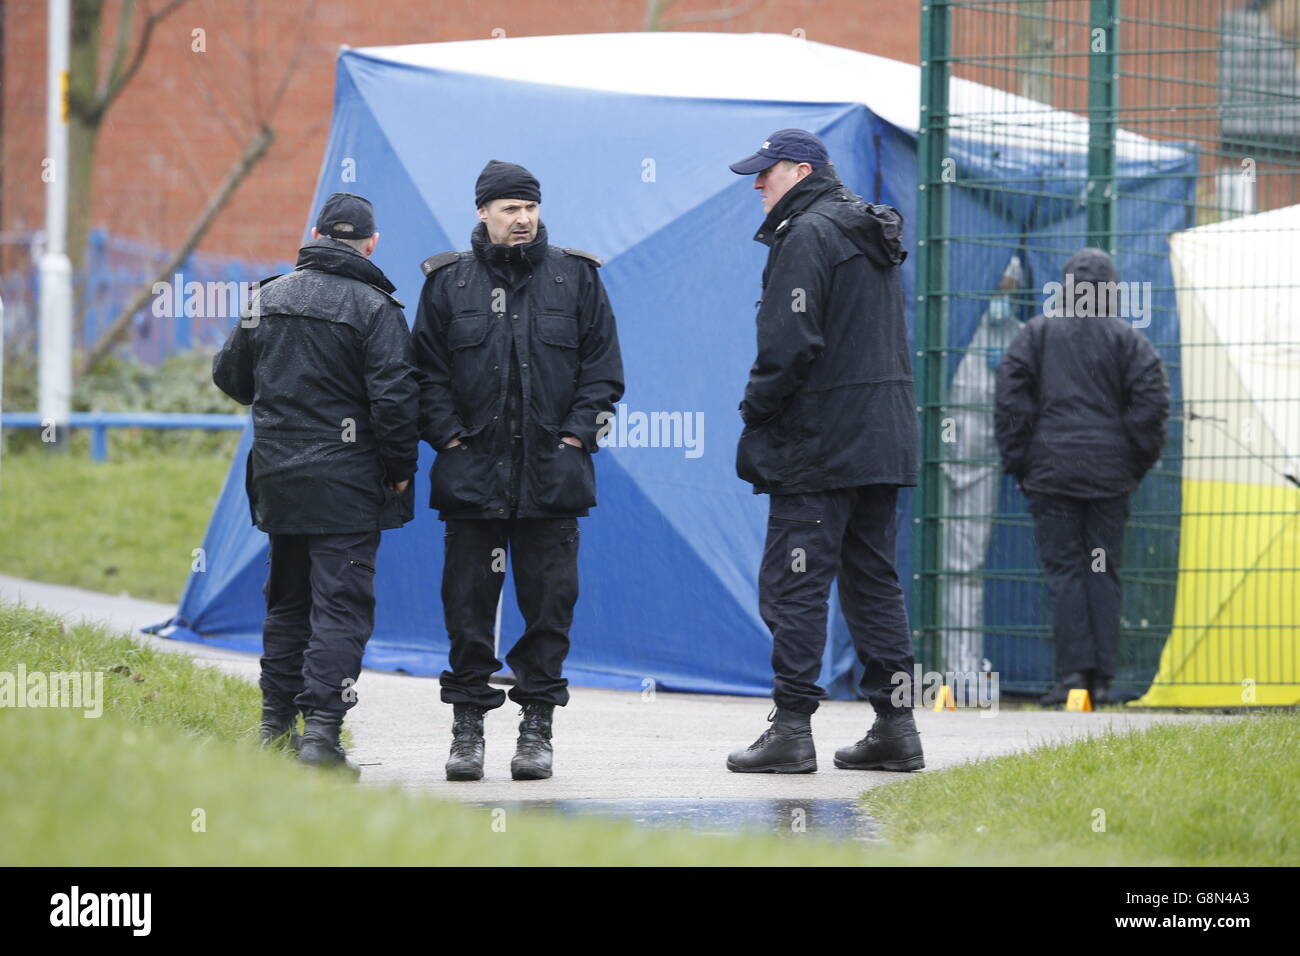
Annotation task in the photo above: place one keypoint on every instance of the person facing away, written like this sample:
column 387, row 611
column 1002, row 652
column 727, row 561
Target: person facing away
column 830, row 436
column 519, row 366
column 323, row 355
column 1081, row 404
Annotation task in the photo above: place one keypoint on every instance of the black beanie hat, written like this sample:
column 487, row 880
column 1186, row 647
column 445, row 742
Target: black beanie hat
column 505, row 181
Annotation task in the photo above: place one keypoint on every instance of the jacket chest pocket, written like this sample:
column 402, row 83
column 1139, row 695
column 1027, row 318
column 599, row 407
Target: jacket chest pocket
column 558, row 329
column 467, row 331
column 471, row 362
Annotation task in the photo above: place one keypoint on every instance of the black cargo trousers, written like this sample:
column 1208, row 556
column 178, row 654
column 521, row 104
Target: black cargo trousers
column 543, row 558
column 813, row 539
column 320, row 612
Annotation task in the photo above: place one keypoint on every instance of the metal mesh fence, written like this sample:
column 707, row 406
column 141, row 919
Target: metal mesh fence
column 1168, row 133
column 115, row 269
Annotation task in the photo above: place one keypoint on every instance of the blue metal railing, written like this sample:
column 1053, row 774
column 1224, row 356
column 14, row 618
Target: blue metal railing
column 100, row 422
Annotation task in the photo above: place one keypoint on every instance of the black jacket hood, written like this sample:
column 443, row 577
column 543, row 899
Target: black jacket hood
column 1092, row 265
column 340, row 259
column 876, row 230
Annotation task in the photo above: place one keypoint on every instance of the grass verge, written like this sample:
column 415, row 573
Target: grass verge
column 132, row 526
column 1214, row 793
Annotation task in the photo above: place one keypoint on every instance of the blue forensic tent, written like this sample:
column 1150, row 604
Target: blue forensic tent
column 630, row 135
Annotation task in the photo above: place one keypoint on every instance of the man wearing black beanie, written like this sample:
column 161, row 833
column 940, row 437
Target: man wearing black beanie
column 519, row 367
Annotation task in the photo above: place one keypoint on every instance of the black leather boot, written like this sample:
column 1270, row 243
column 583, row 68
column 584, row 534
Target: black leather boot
column 533, row 751
column 1099, row 690
column 466, row 760
column 320, row 742
column 279, row 728
column 1058, row 694
column 785, row 747
column 892, row 743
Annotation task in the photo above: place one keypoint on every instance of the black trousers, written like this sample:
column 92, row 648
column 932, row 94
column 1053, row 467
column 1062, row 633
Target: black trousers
column 543, row 556
column 811, row 540
column 1080, row 541
column 320, row 611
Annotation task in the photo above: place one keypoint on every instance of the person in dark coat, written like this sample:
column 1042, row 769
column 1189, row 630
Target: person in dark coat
column 830, row 435
column 324, row 356
column 1081, row 403
column 520, row 367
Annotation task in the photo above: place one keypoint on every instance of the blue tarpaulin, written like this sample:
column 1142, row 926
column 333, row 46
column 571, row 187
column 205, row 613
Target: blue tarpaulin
column 630, row 136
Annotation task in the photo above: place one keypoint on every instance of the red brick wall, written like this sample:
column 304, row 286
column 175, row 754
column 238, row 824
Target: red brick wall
column 164, row 147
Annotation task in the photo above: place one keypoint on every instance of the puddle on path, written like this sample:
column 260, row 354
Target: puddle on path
column 831, row 819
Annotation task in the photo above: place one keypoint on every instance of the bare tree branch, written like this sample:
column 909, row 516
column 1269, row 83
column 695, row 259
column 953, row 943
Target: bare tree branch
column 117, row 79
column 121, row 41
column 654, row 10
column 706, row 16
column 121, row 324
column 215, row 106
column 292, row 66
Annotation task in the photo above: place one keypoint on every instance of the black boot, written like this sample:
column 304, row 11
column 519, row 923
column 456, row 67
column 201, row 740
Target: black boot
column 466, row 760
column 785, row 747
column 892, row 743
column 320, row 742
column 1058, row 694
column 533, row 752
column 1099, row 690
column 279, row 728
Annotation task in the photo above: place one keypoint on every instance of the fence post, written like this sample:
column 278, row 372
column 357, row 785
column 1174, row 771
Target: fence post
column 934, row 167
column 99, row 441
column 1103, row 104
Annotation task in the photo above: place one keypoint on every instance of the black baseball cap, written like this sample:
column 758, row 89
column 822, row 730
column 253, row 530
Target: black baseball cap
column 797, row 145
column 346, row 216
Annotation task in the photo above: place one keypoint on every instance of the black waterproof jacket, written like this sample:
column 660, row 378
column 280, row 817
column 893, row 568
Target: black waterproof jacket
column 830, row 402
column 530, row 322
column 1081, row 399
column 323, row 355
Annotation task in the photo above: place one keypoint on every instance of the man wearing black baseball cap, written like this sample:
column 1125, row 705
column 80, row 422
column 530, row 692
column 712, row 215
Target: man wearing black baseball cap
column 830, row 436
column 323, row 355
column 520, row 365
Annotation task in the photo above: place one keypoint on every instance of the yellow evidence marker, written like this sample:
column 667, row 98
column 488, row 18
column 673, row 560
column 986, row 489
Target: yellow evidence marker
column 1079, row 700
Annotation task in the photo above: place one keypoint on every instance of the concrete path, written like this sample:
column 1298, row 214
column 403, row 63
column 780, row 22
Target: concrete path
column 610, row 745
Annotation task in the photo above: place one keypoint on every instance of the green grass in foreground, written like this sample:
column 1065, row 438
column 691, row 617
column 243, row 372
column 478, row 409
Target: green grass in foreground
column 141, row 685
column 109, row 526
column 123, row 789
column 1219, row 793
column 177, row 737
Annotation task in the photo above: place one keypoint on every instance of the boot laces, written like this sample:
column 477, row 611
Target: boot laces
column 766, row 735
column 464, row 746
column 533, row 736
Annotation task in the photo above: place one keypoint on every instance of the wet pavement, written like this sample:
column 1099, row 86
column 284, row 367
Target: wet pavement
column 829, row 819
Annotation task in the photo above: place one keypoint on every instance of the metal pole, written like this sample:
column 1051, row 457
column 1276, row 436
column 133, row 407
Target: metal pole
column 55, row 389
column 1103, row 107
column 934, row 171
